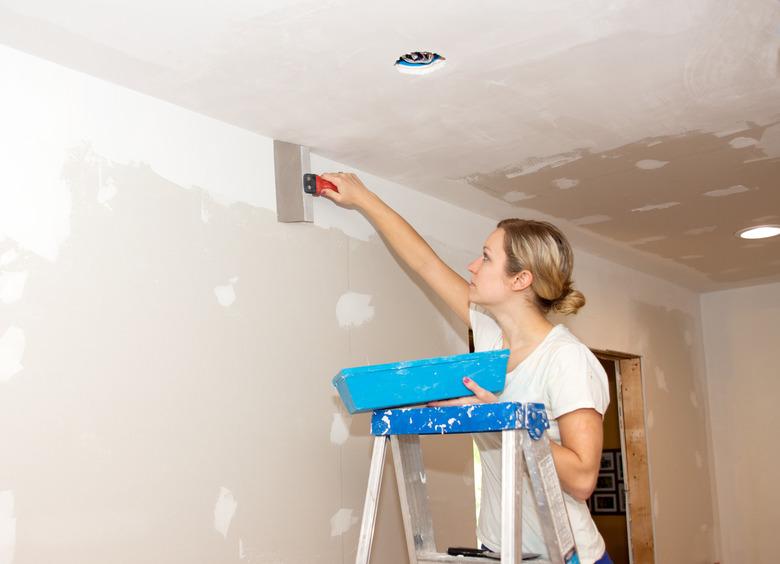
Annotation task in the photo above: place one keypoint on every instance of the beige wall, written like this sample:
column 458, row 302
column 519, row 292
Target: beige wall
column 742, row 337
column 167, row 346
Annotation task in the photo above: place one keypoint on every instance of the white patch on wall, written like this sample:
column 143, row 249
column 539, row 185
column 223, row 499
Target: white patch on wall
column 224, row 510
column 353, row 309
column 515, row 196
column 701, row 230
column 699, row 460
column 7, row 527
column 11, row 352
column 650, row 419
column 8, row 257
column 106, row 191
column 738, row 189
column 694, row 400
column 651, row 164
column 536, row 164
column 341, row 522
column 653, row 207
column 660, row 379
column 654, row 143
column 565, row 183
column 12, row 286
column 226, row 294
column 591, row 219
column 339, row 430
column 645, row 240
column 205, row 215
column 241, row 550
column 742, row 142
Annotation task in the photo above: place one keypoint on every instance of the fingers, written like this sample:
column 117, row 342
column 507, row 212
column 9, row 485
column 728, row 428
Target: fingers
column 467, row 400
column 480, row 393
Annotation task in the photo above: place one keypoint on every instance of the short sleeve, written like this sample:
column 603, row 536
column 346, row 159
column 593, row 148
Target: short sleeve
column 487, row 333
column 576, row 380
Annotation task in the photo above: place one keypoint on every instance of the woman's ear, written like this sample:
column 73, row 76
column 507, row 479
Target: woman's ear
column 522, row 280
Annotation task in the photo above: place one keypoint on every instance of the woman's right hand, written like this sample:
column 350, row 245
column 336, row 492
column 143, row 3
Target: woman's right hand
column 352, row 192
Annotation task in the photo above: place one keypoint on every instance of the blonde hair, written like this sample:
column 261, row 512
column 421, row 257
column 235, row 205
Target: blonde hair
column 541, row 248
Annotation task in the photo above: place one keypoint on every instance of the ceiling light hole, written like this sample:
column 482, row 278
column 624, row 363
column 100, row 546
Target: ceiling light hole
column 759, row 232
column 419, row 62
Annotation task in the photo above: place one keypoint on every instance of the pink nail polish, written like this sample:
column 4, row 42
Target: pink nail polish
column 466, row 380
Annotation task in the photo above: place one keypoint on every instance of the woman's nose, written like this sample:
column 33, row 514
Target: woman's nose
column 474, row 266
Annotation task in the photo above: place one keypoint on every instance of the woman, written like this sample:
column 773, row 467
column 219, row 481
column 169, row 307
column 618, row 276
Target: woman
column 523, row 273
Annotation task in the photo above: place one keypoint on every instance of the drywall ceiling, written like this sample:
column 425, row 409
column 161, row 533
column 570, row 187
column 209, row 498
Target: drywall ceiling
column 649, row 130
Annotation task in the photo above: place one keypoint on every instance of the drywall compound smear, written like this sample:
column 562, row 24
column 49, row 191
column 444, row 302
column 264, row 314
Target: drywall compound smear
column 339, row 429
column 7, row 527
column 341, row 522
column 224, row 510
column 353, row 309
column 12, row 286
column 226, row 294
column 12, row 344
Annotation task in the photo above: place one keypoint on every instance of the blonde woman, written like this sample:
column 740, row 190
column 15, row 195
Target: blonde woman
column 523, row 273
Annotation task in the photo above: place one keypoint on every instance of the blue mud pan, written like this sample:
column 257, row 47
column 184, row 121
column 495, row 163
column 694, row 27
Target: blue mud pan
column 396, row 384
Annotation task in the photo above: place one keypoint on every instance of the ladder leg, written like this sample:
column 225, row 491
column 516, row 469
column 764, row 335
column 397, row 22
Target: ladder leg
column 372, row 500
column 410, row 475
column 550, row 505
column 512, row 463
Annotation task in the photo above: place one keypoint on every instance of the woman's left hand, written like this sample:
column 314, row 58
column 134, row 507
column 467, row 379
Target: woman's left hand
column 481, row 395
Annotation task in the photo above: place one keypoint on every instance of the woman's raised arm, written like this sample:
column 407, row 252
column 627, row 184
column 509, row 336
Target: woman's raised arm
column 403, row 240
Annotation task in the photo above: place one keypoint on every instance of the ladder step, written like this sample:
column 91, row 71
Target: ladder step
column 437, row 557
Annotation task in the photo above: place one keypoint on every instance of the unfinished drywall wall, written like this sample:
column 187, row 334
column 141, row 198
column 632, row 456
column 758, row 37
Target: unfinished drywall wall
column 741, row 334
column 166, row 346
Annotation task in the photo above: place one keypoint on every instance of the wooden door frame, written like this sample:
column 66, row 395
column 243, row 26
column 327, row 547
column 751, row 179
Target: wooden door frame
column 633, row 438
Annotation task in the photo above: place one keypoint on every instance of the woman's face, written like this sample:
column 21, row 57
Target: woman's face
column 489, row 283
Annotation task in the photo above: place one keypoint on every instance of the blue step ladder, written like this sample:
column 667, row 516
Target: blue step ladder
column 525, row 449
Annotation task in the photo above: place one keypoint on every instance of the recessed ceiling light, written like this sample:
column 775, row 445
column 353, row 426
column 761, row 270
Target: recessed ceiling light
column 759, row 232
column 419, row 62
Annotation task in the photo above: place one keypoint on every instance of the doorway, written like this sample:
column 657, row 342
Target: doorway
column 621, row 503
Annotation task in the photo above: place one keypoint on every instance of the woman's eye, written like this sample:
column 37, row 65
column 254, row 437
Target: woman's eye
column 485, row 258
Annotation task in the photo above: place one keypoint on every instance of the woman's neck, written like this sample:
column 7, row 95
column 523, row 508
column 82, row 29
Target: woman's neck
column 522, row 327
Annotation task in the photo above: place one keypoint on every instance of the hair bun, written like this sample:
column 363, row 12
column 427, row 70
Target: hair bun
column 569, row 303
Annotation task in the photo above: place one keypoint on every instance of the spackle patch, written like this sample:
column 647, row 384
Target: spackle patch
column 742, row 142
column 591, row 219
column 241, row 550
column 653, row 207
column 7, row 527
column 106, row 192
column 701, row 230
column 738, row 189
column 8, row 257
column 565, row 183
column 12, row 286
column 224, row 510
column 651, row 164
column 423, row 477
column 11, row 352
column 353, row 309
column 645, row 240
column 341, row 522
column 515, row 196
column 660, row 379
column 226, row 294
column 339, row 430
column 694, row 400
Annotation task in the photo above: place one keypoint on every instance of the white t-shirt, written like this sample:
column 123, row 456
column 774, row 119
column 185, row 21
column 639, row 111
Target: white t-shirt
column 564, row 375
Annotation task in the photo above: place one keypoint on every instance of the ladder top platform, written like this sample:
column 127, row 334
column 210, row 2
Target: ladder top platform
column 475, row 418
